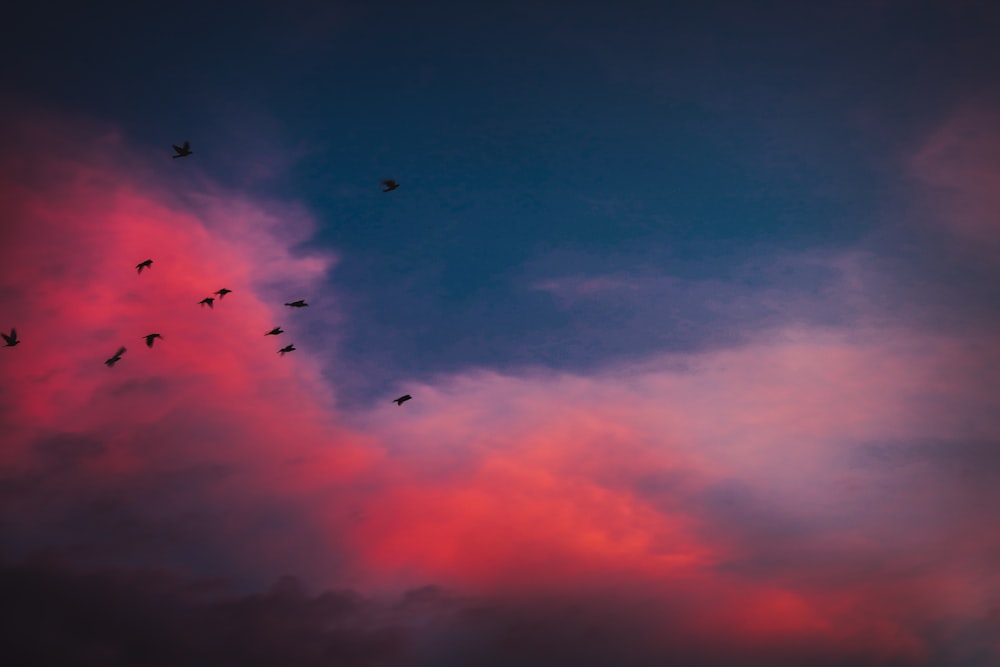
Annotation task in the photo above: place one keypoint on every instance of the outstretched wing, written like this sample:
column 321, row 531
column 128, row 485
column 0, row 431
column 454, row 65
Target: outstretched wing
column 179, row 149
column 11, row 338
column 120, row 352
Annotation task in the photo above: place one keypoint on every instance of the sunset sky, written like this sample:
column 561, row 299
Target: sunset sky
column 698, row 303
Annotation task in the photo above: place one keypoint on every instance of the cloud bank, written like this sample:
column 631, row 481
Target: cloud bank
column 819, row 492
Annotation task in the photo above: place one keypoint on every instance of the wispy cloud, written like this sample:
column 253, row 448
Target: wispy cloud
column 961, row 160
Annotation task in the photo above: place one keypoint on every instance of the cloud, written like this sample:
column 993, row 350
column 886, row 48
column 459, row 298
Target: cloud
column 109, row 617
column 729, row 506
column 184, row 438
column 57, row 614
column 960, row 161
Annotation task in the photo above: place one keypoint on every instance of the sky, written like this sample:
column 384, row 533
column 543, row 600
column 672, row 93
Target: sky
column 698, row 304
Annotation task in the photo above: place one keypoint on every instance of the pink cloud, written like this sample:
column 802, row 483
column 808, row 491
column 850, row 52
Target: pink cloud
column 724, row 484
column 213, row 391
column 576, row 287
column 961, row 160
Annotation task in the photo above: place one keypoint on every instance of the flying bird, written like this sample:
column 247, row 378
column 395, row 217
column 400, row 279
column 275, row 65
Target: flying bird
column 149, row 339
column 182, row 151
column 287, row 348
column 115, row 359
column 11, row 339
column 402, row 399
column 143, row 265
column 222, row 292
column 274, row 332
column 390, row 185
column 207, row 301
column 298, row 304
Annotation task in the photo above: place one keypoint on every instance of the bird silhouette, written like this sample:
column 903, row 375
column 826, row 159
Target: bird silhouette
column 222, row 292
column 274, row 332
column 390, row 185
column 11, row 339
column 115, row 359
column 402, row 399
column 143, row 265
column 207, row 301
column 287, row 348
column 182, row 151
column 150, row 337
column 298, row 304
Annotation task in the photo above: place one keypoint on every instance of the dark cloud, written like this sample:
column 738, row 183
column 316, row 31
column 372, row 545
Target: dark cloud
column 731, row 509
column 151, row 387
column 55, row 614
column 969, row 458
column 67, row 494
column 67, row 450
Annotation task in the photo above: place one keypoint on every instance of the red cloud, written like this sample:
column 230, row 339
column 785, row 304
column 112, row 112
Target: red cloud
column 720, row 487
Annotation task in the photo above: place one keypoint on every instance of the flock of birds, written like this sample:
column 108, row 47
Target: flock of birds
column 12, row 340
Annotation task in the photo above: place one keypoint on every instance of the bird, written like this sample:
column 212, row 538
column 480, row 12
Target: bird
column 149, row 339
column 274, row 332
column 402, row 399
column 390, row 185
column 287, row 348
column 11, row 339
column 182, row 151
column 207, row 301
column 222, row 292
column 301, row 303
column 115, row 359
column 143, row 265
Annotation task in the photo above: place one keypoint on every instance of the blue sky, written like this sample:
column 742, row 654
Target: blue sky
column 532, row 140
